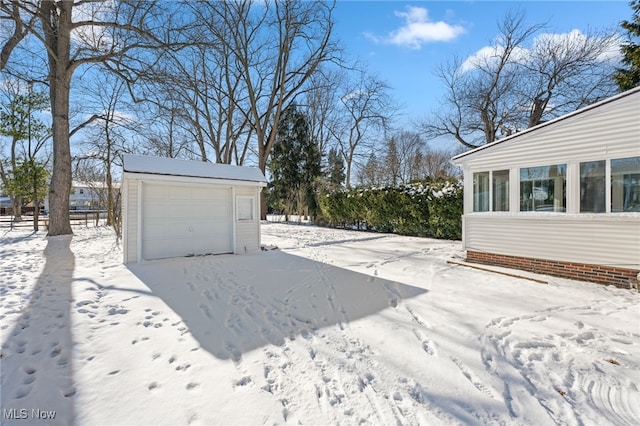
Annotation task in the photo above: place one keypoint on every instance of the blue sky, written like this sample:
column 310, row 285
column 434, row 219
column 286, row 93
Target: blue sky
column 385, row 34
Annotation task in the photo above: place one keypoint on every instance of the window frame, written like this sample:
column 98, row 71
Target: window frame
column 506, row 192
column 572, row 186
column 548, row 179
column 479, row 200
column 581, row 181
column 610, row 183
column 239, row 210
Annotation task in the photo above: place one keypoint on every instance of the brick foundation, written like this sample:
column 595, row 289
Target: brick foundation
column 620, row 277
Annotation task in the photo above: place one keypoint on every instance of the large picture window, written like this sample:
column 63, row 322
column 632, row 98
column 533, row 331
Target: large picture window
column 481, row 192
column 543, row 188
column 592, row 187
column 625, row 185
column 501, row 191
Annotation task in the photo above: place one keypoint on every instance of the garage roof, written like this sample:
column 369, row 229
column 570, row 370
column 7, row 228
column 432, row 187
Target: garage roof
column 177, row 167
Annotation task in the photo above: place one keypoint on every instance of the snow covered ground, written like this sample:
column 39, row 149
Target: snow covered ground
column 333, row 327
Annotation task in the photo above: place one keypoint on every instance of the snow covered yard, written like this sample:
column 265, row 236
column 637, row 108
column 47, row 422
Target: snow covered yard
column 332, row 327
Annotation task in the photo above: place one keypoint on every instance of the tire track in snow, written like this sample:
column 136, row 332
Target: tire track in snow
column 557, row 367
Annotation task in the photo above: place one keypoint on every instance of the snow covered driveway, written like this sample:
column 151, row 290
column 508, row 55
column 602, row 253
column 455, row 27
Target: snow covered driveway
column 333, row 327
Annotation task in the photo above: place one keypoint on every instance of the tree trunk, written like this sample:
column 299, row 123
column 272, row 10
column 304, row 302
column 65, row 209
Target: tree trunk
column 36, row 216
column 57, row 24
column 262, row 164
column 17, row 208
column 110, row 206
column 347, row 176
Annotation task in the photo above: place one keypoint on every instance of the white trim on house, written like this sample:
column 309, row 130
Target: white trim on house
column 189, row 179
column 187, row 168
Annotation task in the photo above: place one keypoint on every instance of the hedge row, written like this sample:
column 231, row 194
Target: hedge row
column 432, row 209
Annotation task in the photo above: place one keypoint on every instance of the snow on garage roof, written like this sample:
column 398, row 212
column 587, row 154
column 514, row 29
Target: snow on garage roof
column 177, row 167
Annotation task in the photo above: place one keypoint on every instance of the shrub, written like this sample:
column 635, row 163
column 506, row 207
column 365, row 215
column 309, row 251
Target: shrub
column 426, row 209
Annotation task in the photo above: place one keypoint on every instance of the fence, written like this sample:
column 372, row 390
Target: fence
column 85, row 219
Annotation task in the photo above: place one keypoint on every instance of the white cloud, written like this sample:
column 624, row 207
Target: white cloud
column 352, row 95
column 94, row 37
column 609, row 49
column 120, row 118
column 575, row 39
column 488, row 54
column 419, row 29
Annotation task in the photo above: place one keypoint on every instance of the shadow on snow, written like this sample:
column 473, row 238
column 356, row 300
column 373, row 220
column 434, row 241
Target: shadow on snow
column 37, row 372
column 234, row 304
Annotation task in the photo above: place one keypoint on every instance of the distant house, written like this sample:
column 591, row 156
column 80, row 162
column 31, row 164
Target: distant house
column 561, row 198
column 175, row 208
column 86, row 196
column 5, row 204
column 89, row 195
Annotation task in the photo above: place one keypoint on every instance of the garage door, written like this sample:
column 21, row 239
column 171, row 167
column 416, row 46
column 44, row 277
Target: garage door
column 185, row 220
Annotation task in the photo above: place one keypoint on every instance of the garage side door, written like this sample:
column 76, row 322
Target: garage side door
column 185, row 220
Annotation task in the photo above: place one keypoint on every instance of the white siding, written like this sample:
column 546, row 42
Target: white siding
column 611, row 130
column 181, row 220
column 248, row 231
column 590, row 239
column 607, row 131
column 130, row 222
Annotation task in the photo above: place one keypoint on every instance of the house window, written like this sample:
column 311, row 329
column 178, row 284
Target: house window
column 244, row 208
column 543, row 188
column 481, row 192
column 625, row 185
column 501, row 191
column 592, row 187
column 81, row 190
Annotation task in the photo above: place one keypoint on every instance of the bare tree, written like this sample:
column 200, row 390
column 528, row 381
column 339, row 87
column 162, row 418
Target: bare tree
column 276, row 68
column 75, row 34
column 366, row 108
column 409, row 146
column 407, row 158
column 371, row 172
column 11, row 17
column 199, row 91
column 106, row 141
column 320, row 104
column 247, row 63
column 508, row 86
column 480, row 90
column 435, row 164
column 571, row 69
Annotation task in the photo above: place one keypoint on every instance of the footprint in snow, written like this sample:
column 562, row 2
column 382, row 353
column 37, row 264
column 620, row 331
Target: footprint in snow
column 244, row 381
column 475, row 381
column 22, row 392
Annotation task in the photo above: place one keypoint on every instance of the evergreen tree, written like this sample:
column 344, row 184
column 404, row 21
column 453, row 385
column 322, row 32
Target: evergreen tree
column 295, row 165
column 335, row 169
column 628, row 78
column 370, row 171
column 392, row 163
column 26, row 132
column 29, row 181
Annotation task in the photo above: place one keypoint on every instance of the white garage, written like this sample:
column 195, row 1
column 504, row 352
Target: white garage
column 174, row 208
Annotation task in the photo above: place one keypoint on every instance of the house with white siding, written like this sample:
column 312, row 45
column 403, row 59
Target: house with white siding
column 174, row 208
column 561, row 198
